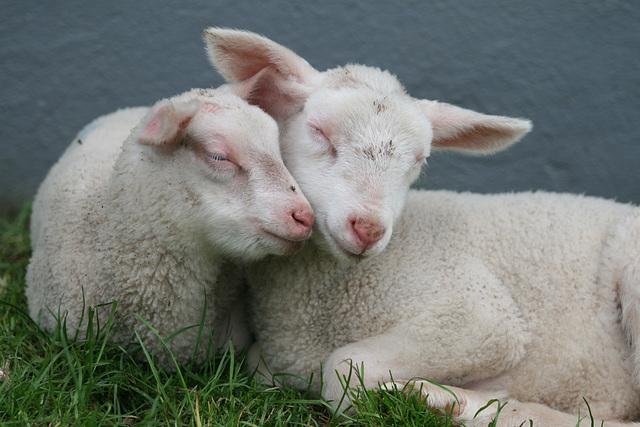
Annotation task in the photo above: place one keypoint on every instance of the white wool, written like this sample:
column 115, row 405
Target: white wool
column 512, row 292
column 534, row 294
column 152, row 208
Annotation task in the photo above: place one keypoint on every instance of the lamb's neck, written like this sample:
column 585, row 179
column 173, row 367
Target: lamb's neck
column 144, row 219
column 312, row 263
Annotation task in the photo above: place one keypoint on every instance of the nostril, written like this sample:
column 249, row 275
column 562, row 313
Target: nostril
column 303, row 218
column 368, row 233
column 361, row 232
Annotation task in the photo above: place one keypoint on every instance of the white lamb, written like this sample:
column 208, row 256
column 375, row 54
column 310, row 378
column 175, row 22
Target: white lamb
column 535, row 294
column 156, row 217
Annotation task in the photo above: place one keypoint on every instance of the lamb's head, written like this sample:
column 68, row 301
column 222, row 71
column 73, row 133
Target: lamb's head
column 214, row 164
column 352, row 137
column 356, row 150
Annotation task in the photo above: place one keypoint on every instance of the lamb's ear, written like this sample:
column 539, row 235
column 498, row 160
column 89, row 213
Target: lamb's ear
column 276, row 79
column 164, row 123
column 459, row 129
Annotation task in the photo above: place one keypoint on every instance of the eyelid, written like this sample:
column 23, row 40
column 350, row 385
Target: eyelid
column 317, row 130
column 217, row 157
column 219, row 160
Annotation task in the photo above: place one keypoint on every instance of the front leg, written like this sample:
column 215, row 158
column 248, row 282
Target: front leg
column 465, row 407
column 369, row 363
column 469, row 330
column 400, row 355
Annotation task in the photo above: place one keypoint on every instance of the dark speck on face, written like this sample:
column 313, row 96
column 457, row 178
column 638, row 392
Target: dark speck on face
column 386, row 149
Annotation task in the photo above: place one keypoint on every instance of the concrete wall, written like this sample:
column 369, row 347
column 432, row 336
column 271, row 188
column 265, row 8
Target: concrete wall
column 572, row 67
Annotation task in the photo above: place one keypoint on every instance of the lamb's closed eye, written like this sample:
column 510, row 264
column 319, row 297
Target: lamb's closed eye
column 217, row 157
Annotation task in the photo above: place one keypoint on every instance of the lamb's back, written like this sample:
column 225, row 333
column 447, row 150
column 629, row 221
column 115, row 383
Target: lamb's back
column 67, row 208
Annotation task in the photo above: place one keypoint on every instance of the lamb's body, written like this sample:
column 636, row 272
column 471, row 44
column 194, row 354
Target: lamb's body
column 137, row 211
column 506, row 292
column 536, row 294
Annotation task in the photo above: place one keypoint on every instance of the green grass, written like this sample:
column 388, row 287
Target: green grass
column 54, row 380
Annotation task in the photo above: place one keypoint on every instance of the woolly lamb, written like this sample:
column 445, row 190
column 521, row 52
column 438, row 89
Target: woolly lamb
column 535, row 294
column 519, row 293
column 156, row 217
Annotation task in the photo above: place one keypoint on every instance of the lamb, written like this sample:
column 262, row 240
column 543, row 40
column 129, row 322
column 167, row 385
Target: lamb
column 532, row 296
column 158, row 218
column 507, row 292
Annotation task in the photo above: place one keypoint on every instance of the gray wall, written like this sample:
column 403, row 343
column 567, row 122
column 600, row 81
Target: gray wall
column 571, row 67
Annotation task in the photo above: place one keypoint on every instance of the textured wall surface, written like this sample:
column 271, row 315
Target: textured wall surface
column 571, row 67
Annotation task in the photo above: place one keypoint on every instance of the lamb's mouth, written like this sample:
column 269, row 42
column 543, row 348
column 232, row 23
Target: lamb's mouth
column 291, row 245
column 334, row 242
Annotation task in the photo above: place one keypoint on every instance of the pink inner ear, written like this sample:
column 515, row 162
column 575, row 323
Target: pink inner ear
column 155, row 126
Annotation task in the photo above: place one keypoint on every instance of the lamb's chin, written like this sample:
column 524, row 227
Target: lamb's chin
column 336, row 249
column 279, row 245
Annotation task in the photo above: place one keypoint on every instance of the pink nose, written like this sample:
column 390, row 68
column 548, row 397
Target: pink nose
column 302, row 221
column 367, row 232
